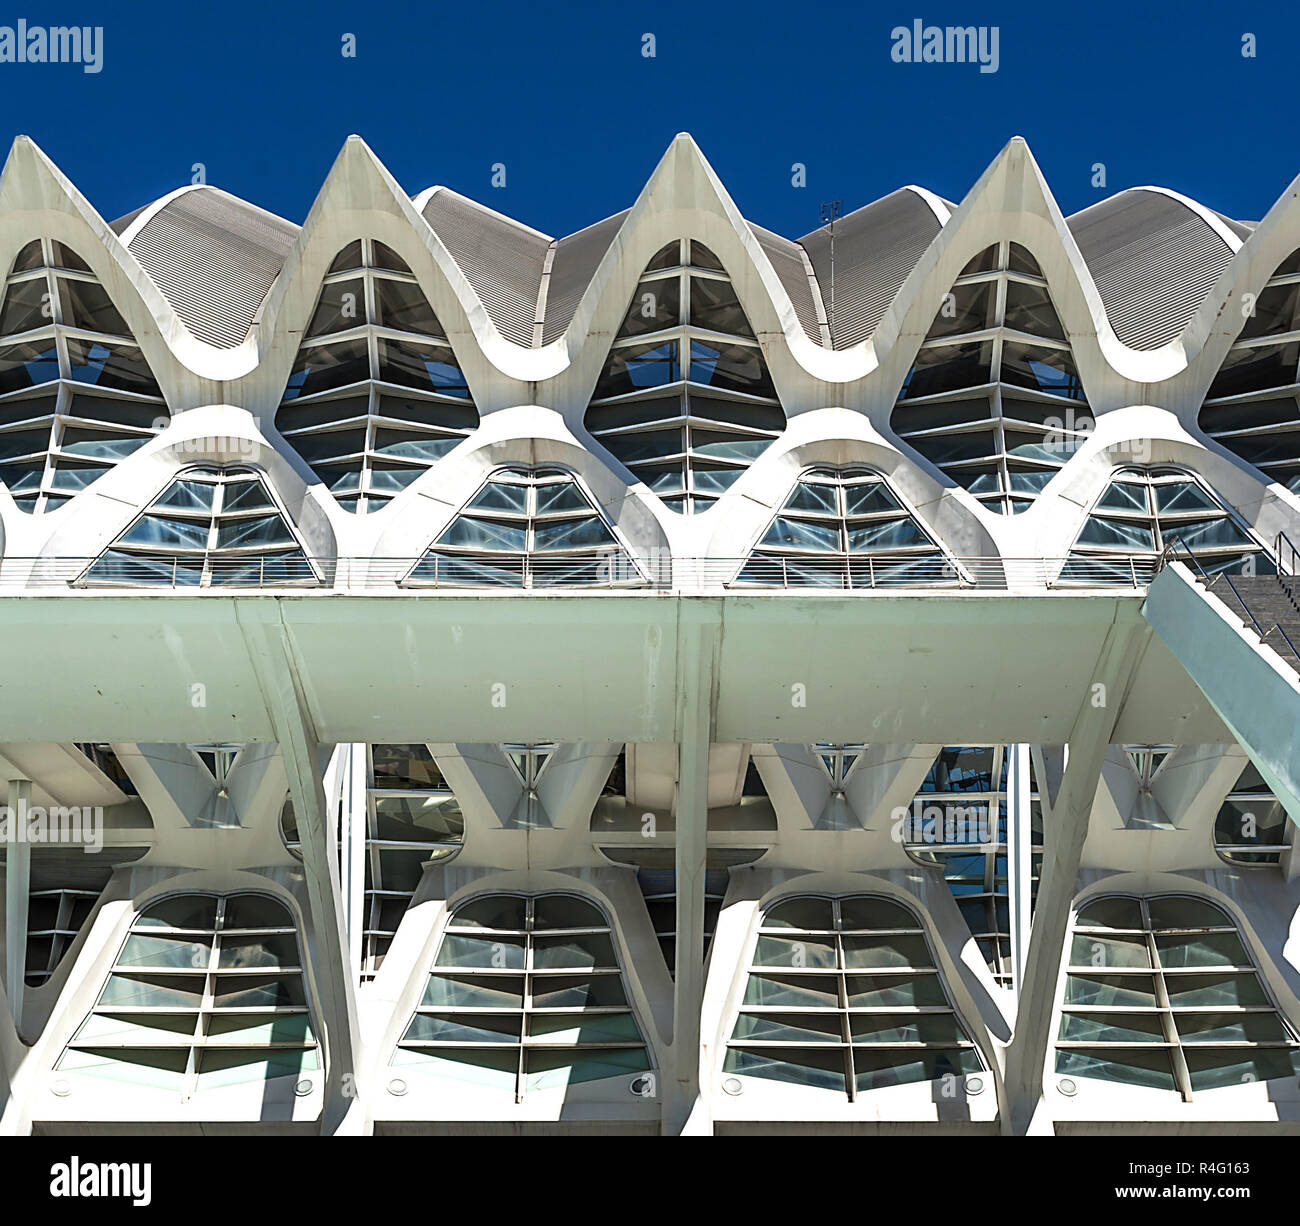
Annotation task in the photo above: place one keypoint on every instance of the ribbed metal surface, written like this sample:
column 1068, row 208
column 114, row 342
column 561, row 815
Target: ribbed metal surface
column 119, row 226
column 875, row 248
column 501, row 259
column 1153, row 260
column 787, row 261
column 213, row 257
column 576, row 259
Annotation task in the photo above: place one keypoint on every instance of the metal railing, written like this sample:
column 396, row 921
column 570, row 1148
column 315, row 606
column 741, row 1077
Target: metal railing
column 1167, row 556
column 584, row 573
column 1288, row 564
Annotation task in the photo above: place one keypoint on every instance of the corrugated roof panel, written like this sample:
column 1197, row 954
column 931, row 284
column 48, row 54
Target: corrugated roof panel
column 1153, row 259
column 500, row 258
column 576, row 260
column 213, row 257
column 788, row 262
column 875, row 249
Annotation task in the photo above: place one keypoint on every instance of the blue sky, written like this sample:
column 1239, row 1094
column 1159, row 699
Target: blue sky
column 561, row 94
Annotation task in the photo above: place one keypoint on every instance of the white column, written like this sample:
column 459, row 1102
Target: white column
column 1020, row 865
column 18, row 876
column 685, row 1107
column 356, row 828
column 270, row 654
column 1099, row 710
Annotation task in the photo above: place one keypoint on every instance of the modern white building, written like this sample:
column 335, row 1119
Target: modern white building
column 670, row 678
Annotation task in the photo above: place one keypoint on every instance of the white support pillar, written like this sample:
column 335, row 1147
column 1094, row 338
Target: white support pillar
column 355, row 829
column 1020, row 858
column 271, row 656
column 18, row 880
column 685, row 1105
column 1099, row 710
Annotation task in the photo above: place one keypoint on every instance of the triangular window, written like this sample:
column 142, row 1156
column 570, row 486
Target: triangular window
column 528, row 527
column 1144, row 511
column 994, row 398
column 685, row 400
column 376, row 396
column 845, row 527
column 1251, row 406
column 76, row 394
column 211, row 527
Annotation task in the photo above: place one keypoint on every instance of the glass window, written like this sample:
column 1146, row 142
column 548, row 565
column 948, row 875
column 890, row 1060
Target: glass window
column 1243, row 408
column 958, row 824
column 525, row 996
column 207, row 992
column 412, row 818
column 1162, row 992
column 209, row 527
column 843, row 994
column 76, row 339
column 543, row 521
column 845, row 528
column 1142, row 512
column 977, row 366
column 1252, row 826
column 396, row 380
column 720, row 432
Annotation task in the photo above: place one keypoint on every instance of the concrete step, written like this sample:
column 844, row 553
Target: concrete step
column 1264, row 597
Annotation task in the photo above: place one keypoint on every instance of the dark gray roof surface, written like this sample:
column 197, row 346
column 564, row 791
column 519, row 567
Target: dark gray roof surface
column 1153, row 259
column 875, row 249
column 500, row 258
column 213, row 257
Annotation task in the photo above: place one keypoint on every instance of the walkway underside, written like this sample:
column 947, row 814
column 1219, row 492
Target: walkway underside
column 968, row 669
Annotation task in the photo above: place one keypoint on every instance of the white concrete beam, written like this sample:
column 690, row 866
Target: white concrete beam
column 344, row 1108
column 1098, row 712
column 686, row 1098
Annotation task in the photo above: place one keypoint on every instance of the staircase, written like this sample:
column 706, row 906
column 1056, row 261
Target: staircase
column 1218, row 628
column 1266, row 604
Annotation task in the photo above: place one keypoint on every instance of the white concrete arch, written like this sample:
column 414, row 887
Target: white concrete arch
column 360, row 199
column 215, row 436
column 524, row 436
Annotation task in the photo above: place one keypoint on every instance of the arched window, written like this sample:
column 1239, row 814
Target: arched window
column 843, row 994
column 845, row 527
column 1144, row 510
column 376, row 396
column 528, row 527
column 1161, row 992
column 206, row 992
column 525, row 996
column 994, row 398
column 211, row 527
column 685, row 399
column 1251, row 827
column 76, row 394
column 1251, row 406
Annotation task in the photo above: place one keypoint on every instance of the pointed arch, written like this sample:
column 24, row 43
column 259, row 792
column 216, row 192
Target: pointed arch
column 1252, row 407
column 528, row 527
column 76, row 393
column 845, row 527
column 685, row 400
column 375, row 396
column 994, row 398
column 210, row 527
